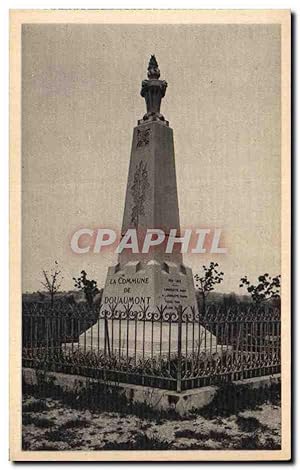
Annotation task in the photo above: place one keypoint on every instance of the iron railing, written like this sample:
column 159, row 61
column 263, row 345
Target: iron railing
column 173, row 350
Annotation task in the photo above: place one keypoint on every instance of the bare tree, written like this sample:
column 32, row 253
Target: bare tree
column 52, row 281
column 267, row 288
column 206, row 282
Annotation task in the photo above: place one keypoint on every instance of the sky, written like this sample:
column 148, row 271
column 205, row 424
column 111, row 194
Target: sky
column 80, row 102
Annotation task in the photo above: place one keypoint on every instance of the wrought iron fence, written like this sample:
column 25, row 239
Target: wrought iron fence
column 173, row 350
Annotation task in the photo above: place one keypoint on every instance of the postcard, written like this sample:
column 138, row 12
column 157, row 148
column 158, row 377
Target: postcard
column 150, row 235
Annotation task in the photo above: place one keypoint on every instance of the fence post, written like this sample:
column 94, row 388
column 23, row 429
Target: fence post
column 179, row 350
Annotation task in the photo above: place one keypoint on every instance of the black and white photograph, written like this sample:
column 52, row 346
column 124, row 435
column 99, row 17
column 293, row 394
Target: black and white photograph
column 150, row 194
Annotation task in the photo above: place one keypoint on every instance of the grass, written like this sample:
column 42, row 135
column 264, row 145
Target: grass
column 252, row 442
column 141, row 442
column 35, row 406
column 249, row 424
column 186, row 433
column 131, row 433
column 26, row 445
column 98, row 397
column 94, row 396
column 55, row 446
column 40, row 422
column 191, row 434
column 218, row 436
column 230, row 399
column 270, row 444
column 75, row 423
column 48, row 446
column 60, row 435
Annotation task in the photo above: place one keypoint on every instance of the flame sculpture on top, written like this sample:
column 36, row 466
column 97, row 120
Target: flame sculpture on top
column 153, row 90
column 141, row 283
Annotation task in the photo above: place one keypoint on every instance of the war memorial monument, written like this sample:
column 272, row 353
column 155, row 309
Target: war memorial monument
column 155, row 282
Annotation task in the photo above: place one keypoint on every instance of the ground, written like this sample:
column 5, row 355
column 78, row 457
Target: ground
column 49, row 424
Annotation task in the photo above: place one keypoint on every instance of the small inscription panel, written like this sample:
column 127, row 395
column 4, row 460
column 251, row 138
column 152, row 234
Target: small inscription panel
column 175, row 293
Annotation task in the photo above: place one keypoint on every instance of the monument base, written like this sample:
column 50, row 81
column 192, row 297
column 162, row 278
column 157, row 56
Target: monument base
column 141, row 304
column 136, row 338
column 149, row 285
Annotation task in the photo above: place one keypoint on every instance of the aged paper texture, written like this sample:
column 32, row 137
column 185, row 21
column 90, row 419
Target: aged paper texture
column 150, row 235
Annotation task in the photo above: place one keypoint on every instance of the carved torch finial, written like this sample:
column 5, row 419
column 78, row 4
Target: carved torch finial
column 153, row 90
column 153, row 70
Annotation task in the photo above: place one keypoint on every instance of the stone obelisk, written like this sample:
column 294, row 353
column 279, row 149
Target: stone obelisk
column 143, row 283
column 155, row 278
